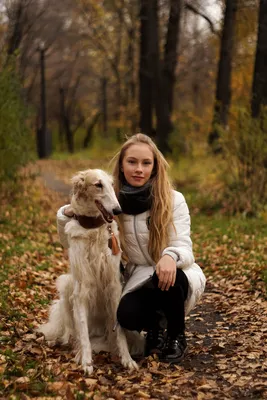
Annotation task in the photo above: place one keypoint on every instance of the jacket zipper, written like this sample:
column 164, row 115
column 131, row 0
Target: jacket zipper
column 140, row 248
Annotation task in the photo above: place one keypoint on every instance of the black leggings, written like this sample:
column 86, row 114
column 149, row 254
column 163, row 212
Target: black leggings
column 138, row 310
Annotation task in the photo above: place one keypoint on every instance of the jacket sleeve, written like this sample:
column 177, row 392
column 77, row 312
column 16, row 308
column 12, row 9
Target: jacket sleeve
column 61, row 222
column 180, row 248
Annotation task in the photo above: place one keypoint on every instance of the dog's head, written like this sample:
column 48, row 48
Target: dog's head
column 93, row 194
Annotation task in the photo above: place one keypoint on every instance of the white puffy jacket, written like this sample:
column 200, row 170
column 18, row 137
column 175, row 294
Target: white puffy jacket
column 141, row 266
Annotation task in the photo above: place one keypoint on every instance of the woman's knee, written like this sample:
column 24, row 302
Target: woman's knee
column 127, row 316
column 182, row 281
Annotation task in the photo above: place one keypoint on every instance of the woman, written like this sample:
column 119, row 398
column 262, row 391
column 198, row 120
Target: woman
column 162, row 281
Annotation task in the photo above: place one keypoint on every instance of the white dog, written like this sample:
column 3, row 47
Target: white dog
column 90, row 293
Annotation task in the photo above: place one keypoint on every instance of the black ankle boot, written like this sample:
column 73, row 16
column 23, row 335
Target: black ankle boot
column 154, row 342
column 174, row 349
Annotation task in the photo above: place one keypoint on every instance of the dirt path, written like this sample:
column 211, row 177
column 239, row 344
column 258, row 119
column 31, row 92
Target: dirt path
column 226, row 334
column 55, row 184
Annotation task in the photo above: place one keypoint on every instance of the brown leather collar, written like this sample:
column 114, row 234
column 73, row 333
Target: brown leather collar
column 96, row 222
column 89, row 222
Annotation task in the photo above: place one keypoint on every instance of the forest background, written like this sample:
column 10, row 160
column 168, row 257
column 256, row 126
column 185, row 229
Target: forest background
column 76, row 77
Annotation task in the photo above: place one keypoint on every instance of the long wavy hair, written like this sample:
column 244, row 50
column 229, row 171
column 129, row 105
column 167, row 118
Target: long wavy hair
column 161, row 213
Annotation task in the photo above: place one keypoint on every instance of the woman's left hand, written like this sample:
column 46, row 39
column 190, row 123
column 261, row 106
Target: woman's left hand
column 166, row 272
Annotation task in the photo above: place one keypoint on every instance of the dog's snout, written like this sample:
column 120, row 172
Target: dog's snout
column 117, row 211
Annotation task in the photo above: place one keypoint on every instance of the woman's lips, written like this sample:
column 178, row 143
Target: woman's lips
column 139, row 178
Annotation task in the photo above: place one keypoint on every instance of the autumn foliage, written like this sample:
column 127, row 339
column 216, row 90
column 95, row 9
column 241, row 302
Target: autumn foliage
column 93, row 71
column 226, row 332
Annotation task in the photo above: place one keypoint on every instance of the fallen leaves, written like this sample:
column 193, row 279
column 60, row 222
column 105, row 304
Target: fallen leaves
column 226, row 333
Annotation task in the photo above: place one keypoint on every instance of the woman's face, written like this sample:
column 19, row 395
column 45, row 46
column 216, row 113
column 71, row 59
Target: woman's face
column 137, row 164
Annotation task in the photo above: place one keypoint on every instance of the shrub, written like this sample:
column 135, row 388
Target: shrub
column 245, row 152
column 16, row 142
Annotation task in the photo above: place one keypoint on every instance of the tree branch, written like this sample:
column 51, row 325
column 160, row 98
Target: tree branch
column 197, row 12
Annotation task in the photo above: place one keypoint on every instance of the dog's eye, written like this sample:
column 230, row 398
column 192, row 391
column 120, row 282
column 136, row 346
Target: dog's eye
column 99, row 185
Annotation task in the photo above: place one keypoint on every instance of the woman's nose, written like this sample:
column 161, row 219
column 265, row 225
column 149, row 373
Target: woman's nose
column 139, row 168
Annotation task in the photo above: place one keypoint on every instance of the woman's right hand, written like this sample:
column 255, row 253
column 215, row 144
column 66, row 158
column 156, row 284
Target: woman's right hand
column 68, row 211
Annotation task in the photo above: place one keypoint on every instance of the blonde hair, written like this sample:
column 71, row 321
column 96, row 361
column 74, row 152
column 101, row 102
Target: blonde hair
column 161, row 213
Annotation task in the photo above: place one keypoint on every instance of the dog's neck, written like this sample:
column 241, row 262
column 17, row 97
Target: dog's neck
column 90, row 222
column 96, row 222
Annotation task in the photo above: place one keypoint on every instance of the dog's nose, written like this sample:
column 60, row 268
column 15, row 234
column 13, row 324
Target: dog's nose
column 117, row 211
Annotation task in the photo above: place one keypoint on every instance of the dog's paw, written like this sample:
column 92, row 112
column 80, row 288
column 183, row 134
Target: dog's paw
column 88, row 369
column 129, row 363
column 51, row 343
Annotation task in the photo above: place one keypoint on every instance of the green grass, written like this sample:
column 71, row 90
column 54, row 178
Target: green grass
column 232, row 226
column 232, row 245
column 101, row 149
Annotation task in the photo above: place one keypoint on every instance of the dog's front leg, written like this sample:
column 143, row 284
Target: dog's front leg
column 123, row 349
column 80, row 311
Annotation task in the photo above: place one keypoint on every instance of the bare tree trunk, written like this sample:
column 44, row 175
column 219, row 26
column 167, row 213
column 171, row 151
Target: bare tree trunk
column 69, row 134
column 154, row 62
column 145, row 77
column 196, row 85
column 171, row 50
column 130, row 89
column 43, row 101
column 66, row 123
column 118, row 75
column 16, row 22
column 104, row 106
column 155, row 66
column 132, row 83
column 61, row 119
column 90, row 129
column 119, row 104
column 166, row 78
column 223, row 88
column 259, row 88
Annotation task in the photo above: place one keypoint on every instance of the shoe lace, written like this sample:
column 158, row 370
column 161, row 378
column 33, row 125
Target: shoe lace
column 150, row 334
column 153, row 334
column 178, row 340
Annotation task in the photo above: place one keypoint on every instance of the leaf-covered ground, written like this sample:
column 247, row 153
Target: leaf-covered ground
column 226, row 333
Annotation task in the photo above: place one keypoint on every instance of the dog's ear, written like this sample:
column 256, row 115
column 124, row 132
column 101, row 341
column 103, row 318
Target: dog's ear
column 78, row 185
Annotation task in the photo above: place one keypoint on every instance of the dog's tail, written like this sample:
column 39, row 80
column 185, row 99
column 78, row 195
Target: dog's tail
column 59, row 327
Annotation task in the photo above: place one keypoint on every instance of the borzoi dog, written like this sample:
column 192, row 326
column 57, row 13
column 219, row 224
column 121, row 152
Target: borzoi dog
column 89, row 294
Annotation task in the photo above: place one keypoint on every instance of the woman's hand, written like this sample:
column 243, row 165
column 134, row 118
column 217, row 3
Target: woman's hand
column 166, row 272
column 68, row 211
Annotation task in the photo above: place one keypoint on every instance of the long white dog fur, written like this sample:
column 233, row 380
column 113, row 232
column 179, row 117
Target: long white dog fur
column 89, row 294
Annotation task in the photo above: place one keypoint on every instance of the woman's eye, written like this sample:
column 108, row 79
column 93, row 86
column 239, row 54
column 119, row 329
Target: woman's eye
column 131, row 162
column 147, row 163
column 99, row 185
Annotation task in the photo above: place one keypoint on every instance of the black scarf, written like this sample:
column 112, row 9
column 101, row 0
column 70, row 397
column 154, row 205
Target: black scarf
column 135, row 200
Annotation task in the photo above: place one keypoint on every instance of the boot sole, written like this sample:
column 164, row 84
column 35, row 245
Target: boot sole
column 174, row 360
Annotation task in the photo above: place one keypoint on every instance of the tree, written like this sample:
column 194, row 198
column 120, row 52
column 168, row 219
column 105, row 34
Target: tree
column 145, row 73
column 69, row 110
column 89, row 130
column 18, row 23
column 259, row 88
column 166, row 80
column 156, row 72
column 109, row 30
column 223, row 85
